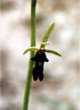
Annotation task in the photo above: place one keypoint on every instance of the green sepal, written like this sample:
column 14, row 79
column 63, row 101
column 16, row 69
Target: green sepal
column 47, row 35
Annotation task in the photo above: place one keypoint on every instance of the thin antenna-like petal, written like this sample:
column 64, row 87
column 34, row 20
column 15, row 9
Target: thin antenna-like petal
column 53, row 52
column 30, row 49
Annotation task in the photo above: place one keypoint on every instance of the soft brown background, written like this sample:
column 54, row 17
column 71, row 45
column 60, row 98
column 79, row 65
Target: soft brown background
column 60, row 89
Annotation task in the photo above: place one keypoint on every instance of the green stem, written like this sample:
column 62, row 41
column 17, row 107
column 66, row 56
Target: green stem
column 29, row 77
column 33, row 22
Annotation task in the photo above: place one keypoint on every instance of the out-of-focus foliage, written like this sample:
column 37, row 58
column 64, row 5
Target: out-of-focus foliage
column 6, row 5
column 55, row 105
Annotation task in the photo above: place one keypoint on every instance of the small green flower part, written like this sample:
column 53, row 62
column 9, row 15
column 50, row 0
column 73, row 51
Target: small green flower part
column 30, row 49
column 53, row 52
column 44, row 43
column 46, row 50
column 46, row 35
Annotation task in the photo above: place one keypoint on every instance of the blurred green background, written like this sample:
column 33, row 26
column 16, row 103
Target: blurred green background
column 60, row 89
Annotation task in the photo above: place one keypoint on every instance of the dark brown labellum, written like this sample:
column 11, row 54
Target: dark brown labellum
column 39, row 59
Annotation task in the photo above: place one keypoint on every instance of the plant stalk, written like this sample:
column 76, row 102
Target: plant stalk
column 32, row 43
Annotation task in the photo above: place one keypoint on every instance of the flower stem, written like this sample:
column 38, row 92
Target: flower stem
column 33, row 38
